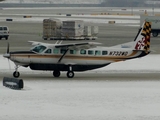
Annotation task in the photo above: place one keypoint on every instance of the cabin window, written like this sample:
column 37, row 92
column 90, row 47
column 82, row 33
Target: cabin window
column 72, row 51
column 104, row 52
column 55, row 51
column 97, row 52
column 48, row 51
column 63, row 51
column 39, row 49
column 83, row 51
column 90, row 52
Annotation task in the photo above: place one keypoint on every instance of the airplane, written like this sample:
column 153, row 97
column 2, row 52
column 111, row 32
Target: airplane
column 78, row 57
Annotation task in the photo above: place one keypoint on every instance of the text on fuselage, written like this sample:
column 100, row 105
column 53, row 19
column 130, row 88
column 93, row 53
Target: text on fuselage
column 118, row 53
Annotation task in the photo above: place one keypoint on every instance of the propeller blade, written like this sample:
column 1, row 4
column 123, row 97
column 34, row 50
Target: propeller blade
column 9, row 64
column 8, row 48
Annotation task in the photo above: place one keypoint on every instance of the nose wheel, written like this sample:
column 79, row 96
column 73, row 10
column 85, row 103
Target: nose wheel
column 16, row 74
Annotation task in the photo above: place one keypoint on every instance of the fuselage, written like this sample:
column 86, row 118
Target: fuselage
column 51, row 58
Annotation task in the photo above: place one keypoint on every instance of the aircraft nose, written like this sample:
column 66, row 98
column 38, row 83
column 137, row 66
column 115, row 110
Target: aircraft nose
column 6, row 55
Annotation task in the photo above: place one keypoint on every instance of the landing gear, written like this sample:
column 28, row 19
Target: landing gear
column 70, row 74
column 56, row 73
column 16, row 74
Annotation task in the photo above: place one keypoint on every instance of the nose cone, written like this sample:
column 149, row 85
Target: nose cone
column 6, row 55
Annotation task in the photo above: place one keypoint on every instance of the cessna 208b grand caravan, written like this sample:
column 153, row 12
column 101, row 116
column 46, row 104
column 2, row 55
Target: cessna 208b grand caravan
column 79, row 56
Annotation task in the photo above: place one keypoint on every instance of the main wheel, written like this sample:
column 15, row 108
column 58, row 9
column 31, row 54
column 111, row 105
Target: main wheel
column 16, row 74
column 56, row 73
column 70, row 74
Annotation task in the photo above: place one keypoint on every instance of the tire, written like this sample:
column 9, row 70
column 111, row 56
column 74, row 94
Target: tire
column 56, row 73
column 70, row 74
column 6, row 38
column 16, row 74
column 155, row 34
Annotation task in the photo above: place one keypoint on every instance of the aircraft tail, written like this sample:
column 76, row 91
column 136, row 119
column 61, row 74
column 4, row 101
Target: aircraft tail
column 142, row 40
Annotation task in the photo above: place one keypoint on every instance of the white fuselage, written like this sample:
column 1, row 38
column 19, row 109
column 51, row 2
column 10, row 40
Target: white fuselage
column 98, row 55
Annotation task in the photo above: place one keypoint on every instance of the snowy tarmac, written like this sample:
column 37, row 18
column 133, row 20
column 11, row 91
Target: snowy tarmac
column 127, row 90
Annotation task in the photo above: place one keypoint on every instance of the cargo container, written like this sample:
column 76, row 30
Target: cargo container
column 87, row 31
column 155, row 28
column 94, row 30
column 72, row 33
column 73, row 24
column 55, row 29
column 51, row 28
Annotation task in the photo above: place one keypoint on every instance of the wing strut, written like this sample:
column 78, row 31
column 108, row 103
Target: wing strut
column 63, row 56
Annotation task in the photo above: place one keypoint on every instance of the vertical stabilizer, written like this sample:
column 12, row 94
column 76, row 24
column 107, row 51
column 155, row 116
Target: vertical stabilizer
column 142, row 41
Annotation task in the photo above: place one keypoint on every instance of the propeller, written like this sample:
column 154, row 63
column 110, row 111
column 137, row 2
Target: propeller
column 7, row 55
column 9, row 64
column 8, row 48
column 8, row 58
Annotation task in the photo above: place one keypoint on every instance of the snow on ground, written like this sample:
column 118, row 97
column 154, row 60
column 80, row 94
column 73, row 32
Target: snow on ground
column 47, row 99
column 82, row 100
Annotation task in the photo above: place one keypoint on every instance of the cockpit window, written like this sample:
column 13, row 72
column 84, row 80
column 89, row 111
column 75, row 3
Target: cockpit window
column 48, row 51
column 39, row 49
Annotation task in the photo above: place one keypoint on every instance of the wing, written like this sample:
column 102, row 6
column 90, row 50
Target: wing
column 37, row 43
column 86, row 45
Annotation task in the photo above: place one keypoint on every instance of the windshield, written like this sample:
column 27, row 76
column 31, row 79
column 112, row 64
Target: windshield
column 39, row 49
